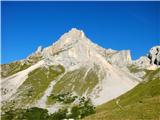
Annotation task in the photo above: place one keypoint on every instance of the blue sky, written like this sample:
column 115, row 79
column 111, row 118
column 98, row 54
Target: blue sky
column 116, row 25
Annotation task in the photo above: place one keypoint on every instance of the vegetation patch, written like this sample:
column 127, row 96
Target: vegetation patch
column 26, row 114
column 65, row 98
column 69, row 81
column 78, row 81
column 134, row 69
column 152, row 74
column 82, row 109
column 14, row 67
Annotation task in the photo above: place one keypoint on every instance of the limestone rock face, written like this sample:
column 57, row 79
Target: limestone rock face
column 150, row 61
column 39, row 49
column 142, row 62
column 74, row 47
column 119, row 58
column 154, row 55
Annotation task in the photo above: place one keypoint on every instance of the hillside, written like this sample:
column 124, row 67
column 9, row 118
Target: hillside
column 140, row 103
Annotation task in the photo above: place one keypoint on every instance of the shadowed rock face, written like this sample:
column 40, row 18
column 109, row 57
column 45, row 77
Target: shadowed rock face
column 154, row 55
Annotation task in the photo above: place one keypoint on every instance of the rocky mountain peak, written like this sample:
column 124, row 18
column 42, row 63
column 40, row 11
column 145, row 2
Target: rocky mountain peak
column 72, row 36
column 74, row 47
column 75, row 31
column 39, row 49
column 71, row 46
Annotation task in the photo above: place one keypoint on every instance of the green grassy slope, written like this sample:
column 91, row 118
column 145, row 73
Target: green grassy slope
column 14, row 67
column 78, row 81
column 134, row 69
column 141, row 103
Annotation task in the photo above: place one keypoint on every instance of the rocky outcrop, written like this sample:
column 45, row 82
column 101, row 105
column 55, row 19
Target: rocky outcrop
column 39, row 49
column 150, row 61
column 154, row 55
column 119, row 58
column 142, row 62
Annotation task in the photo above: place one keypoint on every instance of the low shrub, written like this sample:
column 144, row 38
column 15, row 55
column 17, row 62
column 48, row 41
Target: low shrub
column 78, row 111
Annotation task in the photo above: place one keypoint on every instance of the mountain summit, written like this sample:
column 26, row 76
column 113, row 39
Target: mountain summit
column 74, row 33
column 73, row 65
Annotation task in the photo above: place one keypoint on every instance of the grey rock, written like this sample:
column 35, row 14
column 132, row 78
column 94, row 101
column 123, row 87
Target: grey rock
column 39, row 49
column 142, row 62
column 154, row 55
column 119, row 58
column 150, row 61
column 74, row 47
